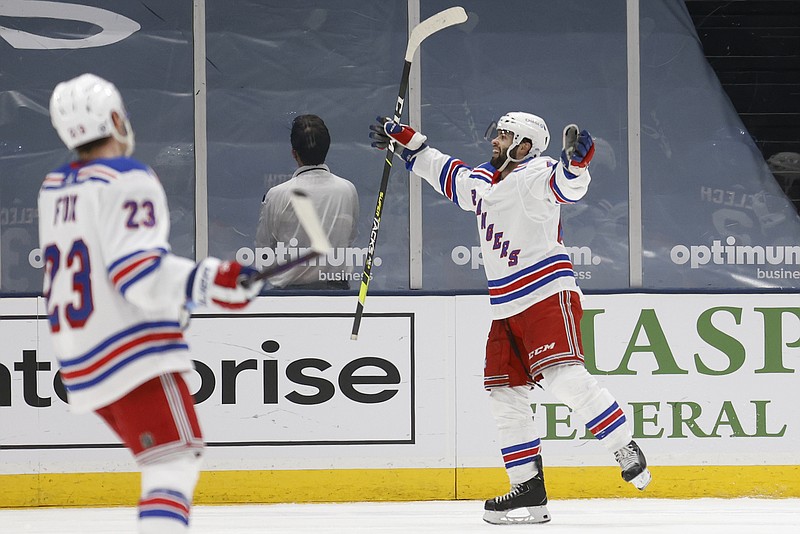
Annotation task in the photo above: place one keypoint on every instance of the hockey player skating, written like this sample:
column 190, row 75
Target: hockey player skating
column 117, row 298
column 536, row 305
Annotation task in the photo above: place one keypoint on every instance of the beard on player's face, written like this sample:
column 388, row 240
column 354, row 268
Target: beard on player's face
column 498, row 160
column 501, row 156
column 500, row 143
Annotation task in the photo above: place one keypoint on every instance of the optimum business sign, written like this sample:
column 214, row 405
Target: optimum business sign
column 771, row 263
column 259, row 379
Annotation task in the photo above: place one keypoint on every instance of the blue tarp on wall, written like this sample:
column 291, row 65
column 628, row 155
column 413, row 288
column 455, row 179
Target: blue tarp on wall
column 713, row 216
column 149, row 58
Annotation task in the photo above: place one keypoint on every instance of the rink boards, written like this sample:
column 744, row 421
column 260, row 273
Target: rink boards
column 294, row 411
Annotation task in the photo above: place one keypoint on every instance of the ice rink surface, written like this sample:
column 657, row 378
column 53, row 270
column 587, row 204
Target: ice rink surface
column 595, row 516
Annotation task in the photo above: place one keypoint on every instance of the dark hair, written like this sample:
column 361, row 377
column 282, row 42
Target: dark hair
column 310, row 139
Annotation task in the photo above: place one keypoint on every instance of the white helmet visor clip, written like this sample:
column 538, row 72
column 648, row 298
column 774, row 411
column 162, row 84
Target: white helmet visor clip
column 491, row 131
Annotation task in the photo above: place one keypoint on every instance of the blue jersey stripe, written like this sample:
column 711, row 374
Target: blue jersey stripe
column 116, row 337
column 527, row 270
column 150, row 268
column 122, row 363
column 532, row 287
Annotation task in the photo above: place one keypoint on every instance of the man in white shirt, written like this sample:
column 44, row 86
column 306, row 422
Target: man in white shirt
column 335, row 201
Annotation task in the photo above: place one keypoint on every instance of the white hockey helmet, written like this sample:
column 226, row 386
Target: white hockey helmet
column 81, row 110
column 526, row 126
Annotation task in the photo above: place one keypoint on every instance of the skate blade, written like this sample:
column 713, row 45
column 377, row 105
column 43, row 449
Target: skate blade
column 518, row 516
column 642, row 479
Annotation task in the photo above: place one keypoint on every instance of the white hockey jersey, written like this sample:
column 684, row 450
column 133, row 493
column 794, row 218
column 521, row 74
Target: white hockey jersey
column 519, row 223
column 113, row 290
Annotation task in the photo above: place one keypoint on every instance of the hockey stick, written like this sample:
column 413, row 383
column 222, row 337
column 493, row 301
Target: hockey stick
column 304, row 209
column 420, row 32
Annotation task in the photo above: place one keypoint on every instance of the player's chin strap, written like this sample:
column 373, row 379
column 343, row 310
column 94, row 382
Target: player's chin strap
column 510, row 158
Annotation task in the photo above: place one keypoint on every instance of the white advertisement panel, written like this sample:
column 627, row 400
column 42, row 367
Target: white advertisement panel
column 284, row 379
column 276, row 377
column 703, row 380
column 306, row 386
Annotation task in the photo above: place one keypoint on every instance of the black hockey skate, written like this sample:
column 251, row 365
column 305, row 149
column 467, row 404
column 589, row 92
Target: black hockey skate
column 634, row 465
column 525, row 503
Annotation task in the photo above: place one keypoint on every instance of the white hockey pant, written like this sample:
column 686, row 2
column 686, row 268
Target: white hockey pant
column 167, row 491
column 512, row 413
column 575, row 387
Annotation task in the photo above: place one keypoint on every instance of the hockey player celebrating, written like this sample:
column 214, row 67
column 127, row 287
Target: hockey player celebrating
column 535, row 335
column 117, row 299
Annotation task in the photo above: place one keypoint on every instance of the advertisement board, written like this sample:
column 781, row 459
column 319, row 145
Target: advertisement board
column 704, row 380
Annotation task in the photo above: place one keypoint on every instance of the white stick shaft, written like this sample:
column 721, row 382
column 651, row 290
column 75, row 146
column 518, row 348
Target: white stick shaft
column 307, row 216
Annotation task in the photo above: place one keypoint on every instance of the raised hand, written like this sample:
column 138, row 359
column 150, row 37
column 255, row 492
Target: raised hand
column 386, row 130
column 578, row 150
